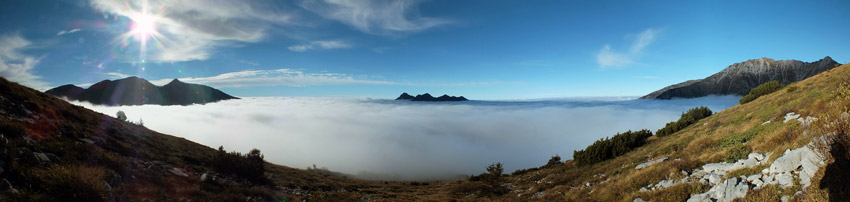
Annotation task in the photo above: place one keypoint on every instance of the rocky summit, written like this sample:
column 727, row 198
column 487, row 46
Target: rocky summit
column 739, row 78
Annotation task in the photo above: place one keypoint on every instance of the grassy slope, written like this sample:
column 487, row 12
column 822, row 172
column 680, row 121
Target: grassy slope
column 701, row 143
column 61, row 125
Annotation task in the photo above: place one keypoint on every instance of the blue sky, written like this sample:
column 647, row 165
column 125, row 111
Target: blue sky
column 378, row 49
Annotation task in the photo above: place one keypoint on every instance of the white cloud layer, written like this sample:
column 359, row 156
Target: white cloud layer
column 375, row 16
column 16, row 66
column 610, row 58
column 276, row 77
column 329, row 44
column 191, row 29
column 409, row 140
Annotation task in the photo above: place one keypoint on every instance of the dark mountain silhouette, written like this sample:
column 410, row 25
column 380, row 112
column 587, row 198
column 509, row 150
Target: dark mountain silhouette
column 739, row 78
column 138, row 91
column 404, row 96
column 428, row 97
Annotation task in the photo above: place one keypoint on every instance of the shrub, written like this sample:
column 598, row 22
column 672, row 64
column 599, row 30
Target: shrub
column 121, row 116
column 249, row 166
column 604, row 149
column 763, row 89
column 555, row 160
column 739, row 152
column 688, row 118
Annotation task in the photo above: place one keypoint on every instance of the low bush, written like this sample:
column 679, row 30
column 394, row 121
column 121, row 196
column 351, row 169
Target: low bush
column 608, row 148
column 738, row 152
column 249, row 166
column 688, row 118
column 763, row 89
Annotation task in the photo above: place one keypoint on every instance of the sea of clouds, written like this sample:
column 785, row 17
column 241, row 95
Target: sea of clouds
column 404, row 140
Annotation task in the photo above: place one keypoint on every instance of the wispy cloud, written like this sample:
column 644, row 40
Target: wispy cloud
column 16, row 66
column 63, row 32
column 277, row 77
column 330, row 44
column 375, row 16
column 611, row 58
column 192, row 29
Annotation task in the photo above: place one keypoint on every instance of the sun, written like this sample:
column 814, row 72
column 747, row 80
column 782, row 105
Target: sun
column 143, row 26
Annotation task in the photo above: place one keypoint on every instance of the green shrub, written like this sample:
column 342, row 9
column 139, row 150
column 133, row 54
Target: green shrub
column 249, row 166
column 738, row 152
column 688, row 118
column 763, row 89
column 608, row 148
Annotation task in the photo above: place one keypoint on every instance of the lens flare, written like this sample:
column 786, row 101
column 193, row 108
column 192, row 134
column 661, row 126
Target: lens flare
column 143, row 26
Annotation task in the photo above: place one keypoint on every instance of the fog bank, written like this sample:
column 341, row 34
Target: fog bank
column 406, row 140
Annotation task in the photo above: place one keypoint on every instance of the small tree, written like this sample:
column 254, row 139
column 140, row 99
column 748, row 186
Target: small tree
column 121, row 116
column 555, row 160
column 493, row 178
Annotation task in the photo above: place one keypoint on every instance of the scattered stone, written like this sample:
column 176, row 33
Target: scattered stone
column 37, row 158
column 639, row 200
column 791, row 116
column 178, row 172
column 786, row 198
column 648, row 163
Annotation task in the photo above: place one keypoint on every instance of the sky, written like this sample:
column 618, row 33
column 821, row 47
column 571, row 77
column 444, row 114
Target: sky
column 486, row 50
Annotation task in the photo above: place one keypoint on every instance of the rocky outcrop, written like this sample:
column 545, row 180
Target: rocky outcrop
column 138, row 91
column 739, row 78
column 797, row 165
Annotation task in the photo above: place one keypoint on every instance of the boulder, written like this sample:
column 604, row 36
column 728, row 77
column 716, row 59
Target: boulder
column 713, row 178
column 639, row 200
column 648, row 163
column 753, row 177
column 178, row 172
column 703, row 197
column 785, row 180
column 757, row 156
column 37, row 158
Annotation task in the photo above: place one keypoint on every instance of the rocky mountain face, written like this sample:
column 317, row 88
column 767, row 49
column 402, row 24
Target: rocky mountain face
column 138, row 91
column 739, row 78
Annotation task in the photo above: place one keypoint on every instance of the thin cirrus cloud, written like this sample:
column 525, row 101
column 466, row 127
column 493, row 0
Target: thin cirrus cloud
column 17, row 66
column 611, row 58
column 375, row 16
column 192, row 29
column 276, row 77
column 329, row 44
column 63, row 32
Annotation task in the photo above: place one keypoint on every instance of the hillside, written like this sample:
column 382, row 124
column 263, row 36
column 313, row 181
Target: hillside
column 54, row 150
column 775, row 125
column 739, row 78
column 138, row 91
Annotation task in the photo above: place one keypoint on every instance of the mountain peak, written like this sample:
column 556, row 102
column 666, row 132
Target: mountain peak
column 739, row 78
column 138, row 91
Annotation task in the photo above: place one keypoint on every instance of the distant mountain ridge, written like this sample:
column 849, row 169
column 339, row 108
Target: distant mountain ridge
column 138, row 91
column 428, row 97
column 739, row 78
